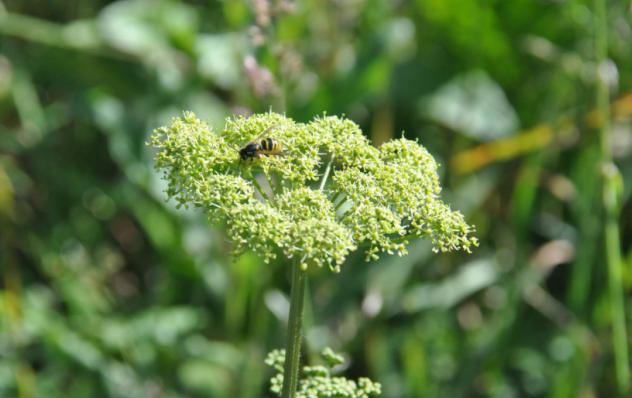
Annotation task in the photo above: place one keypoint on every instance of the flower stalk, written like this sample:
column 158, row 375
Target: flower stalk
column 294, row 332
column 262, row 191
column 612, row 189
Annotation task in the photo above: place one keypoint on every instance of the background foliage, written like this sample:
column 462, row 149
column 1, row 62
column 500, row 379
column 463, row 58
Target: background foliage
column 109, row 291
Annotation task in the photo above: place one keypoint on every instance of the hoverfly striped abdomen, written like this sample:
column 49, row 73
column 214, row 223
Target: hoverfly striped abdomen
column 271, row 144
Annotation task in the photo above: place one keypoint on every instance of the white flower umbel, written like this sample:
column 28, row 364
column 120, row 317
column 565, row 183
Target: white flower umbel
column 378, row 198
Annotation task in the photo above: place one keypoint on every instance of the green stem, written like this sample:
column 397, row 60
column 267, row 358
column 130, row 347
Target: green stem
column 339, row 205
column 273, row 186
column 281, row 184
column 261, row 191
column 293, row 345
column 616, row 289
column 612, row 181
column 335, row 197
column 327, row 170
column 344, row 215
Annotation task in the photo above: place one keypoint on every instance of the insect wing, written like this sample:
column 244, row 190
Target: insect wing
column 262, row 135
column 275, row 153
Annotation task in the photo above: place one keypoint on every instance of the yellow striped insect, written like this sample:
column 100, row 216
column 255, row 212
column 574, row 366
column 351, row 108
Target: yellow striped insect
column 260, row 146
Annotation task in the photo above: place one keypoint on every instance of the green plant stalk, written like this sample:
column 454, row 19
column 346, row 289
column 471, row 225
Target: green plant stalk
column 617, row 297
column 344, row 215
column 327, row 170
column 260, row 189
column 611, row 206
column 273, row 186
column 335, row 197
column 295, row 322
column 342, row 202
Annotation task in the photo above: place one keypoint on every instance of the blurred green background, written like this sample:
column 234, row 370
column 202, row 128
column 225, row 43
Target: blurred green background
column 108, row 291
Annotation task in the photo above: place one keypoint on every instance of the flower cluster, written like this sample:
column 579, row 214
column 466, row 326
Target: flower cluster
column 318, row 382
column 377, row 198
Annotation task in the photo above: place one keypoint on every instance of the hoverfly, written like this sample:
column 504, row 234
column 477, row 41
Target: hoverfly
column 256, row 148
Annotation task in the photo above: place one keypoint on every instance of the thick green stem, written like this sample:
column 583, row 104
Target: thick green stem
column 293, row 345
column 611, row 187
